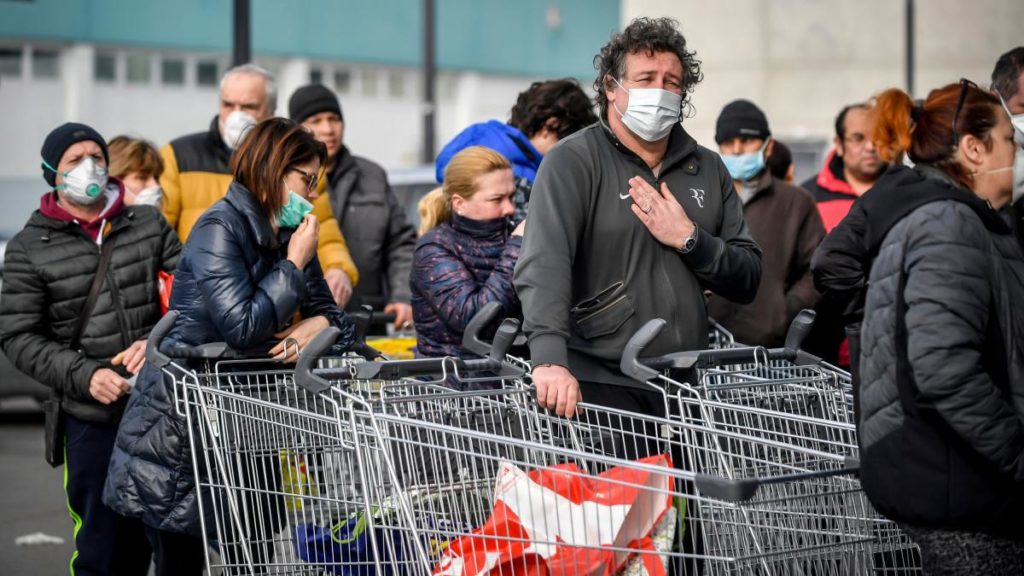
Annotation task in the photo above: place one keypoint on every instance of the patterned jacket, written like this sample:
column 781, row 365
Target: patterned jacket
column 457, row 268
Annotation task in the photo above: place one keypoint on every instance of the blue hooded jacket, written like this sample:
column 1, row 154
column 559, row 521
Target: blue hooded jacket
column 500, row 137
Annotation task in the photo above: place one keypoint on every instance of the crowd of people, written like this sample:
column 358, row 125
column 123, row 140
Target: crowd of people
column 584, row 218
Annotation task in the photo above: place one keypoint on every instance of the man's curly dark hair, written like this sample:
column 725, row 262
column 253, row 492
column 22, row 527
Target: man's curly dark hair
column 646, row 35
column 561, row 100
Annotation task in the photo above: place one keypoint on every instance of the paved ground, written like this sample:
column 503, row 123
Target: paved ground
column 31, row 495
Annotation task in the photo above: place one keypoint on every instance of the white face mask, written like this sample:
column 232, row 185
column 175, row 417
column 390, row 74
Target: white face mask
column 1018, row 159
column 84, row 183
column 651, row 112
column 235, row 127
column 150, row 196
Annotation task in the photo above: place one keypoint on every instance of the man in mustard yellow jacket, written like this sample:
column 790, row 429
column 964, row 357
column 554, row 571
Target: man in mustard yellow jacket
column 197, row 173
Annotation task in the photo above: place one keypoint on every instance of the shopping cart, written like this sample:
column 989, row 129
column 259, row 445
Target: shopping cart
column 784, row 394
column 265, row 454
column 272, row 460
column 453, row 453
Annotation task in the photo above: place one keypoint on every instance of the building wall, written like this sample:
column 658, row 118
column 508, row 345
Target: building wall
column 803, row 60
column 150, row 68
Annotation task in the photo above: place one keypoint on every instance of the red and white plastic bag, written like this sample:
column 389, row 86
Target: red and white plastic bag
column 558, row 520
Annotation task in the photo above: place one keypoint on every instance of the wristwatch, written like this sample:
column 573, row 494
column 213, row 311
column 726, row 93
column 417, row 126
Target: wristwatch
column 690, row 241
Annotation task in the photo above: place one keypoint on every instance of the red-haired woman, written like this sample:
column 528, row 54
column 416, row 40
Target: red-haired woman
column 942, row 360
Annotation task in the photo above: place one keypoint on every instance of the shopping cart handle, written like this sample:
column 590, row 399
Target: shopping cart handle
column 361, row 319
column 728, row 489
column 799, row 328
column 153, row 354
column 630, row 365
column 308, row 358
column 471, row 335
column 503, row 339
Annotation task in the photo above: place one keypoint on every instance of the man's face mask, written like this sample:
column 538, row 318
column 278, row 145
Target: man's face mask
column 294, row 211
column 84, row 183
column 744, row 167
column 235, row 126
column 1018, row 159
column 651, row 112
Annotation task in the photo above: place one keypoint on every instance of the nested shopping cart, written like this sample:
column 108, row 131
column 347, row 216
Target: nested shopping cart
column 783, row 394
column 457, row 455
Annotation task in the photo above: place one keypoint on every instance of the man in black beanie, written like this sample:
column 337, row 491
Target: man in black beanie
column 379, row 237
column 784, row 221
column 79, row 299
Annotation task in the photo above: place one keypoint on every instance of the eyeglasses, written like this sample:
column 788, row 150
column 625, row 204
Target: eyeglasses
column 310, row 178
column 965, row 84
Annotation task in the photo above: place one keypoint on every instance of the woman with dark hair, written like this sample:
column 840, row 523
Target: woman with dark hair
column 941, row 398
column 249, row 266
column 543, row 114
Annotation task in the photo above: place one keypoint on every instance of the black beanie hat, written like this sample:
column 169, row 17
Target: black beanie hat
column 312, row 99
column 62, row 138
column 742, row 119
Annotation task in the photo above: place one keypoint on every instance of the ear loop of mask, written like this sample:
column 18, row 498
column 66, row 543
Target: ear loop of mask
column 54, row 170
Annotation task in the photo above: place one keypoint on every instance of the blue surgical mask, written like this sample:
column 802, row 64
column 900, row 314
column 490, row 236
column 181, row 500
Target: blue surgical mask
column 293, row 211
column 744, row 167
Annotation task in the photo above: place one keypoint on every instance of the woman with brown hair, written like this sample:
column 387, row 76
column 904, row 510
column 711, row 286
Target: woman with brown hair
column 942, row 362
column 249, row 266
column 137, row 163
column 465, row 256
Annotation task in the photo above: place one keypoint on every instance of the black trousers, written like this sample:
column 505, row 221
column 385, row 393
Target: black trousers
column 105, row 541
column 640, row 440
column 175, row 553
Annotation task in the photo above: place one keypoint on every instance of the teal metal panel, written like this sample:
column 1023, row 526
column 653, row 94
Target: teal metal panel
column 492, row 36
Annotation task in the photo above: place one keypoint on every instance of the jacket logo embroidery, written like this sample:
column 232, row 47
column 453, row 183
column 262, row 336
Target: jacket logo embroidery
column 623, row 196
column 698, row 195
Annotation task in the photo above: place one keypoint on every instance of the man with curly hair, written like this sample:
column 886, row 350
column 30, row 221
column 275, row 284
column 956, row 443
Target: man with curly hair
column 544, row 113
column 630, row 220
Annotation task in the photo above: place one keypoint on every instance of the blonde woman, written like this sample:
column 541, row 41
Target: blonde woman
column 137, row 163
column 465, row 256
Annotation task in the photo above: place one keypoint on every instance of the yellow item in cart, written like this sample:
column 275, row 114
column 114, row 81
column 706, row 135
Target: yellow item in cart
column 295, row 479
column 396, row 348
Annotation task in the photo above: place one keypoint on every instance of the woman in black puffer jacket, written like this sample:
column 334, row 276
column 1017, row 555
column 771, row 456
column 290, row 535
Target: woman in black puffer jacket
column 249, row 266
column 942, row 360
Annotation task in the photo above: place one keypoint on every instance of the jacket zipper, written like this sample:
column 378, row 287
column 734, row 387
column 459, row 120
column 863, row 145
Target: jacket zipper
column 602, row 309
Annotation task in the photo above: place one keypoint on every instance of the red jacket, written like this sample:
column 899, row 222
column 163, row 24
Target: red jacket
column 831, row 191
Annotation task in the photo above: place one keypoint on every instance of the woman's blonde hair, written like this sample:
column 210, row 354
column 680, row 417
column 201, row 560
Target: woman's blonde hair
column 128, row 155
column 459, row 178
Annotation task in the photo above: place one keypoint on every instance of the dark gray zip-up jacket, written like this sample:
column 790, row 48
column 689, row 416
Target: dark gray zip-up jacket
column 380, row 238
column 590, row 273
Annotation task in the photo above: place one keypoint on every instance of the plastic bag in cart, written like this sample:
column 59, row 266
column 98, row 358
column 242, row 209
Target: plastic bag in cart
column 346, row 549
column 558, row 520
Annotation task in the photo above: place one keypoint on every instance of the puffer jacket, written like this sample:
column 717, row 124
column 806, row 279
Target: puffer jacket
column 48, row 271
column 942, row 371
column 197, row 173
column 234, row 284
column 458, row 267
